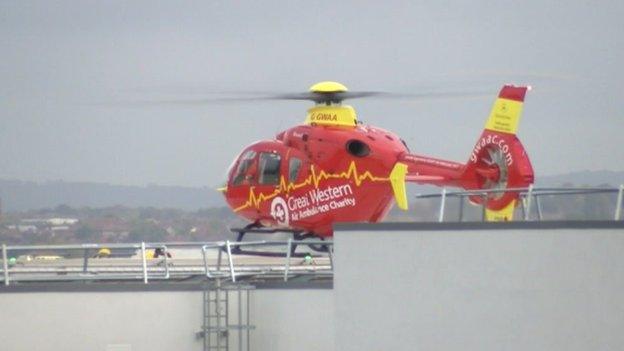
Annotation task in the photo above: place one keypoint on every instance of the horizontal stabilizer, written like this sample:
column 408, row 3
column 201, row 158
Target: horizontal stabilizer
column 423, row 178
column 397, row 180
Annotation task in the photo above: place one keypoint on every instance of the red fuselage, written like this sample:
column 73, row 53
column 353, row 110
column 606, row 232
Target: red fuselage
column 342, row 177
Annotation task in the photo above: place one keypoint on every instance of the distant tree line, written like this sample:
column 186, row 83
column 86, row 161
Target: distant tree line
column 135, row 224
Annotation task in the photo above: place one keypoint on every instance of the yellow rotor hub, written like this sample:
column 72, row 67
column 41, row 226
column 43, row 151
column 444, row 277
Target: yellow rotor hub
column 328, row 87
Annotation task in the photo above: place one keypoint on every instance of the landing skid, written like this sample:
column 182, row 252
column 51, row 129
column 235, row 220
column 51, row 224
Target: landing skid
column 297, row 235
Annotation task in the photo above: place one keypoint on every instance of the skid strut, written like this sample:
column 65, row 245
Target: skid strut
column 255, row 228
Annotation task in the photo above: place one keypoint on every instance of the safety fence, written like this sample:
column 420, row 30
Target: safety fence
column 148, row 262
column 530, row 199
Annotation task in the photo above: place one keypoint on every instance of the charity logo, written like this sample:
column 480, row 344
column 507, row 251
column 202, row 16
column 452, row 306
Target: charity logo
column 279, row 211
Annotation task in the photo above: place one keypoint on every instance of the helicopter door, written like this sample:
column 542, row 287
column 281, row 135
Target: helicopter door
column 296, row 169
column 269, row 169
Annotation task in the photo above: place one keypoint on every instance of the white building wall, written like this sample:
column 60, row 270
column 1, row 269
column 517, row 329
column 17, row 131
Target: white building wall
column 421, row 287
column 150, row 321
column 525, row 289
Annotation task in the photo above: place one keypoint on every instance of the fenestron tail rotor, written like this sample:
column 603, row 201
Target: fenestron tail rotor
column 495, row 158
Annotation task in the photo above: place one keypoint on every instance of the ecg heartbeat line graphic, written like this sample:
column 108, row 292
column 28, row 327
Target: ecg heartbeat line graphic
column 315, row 179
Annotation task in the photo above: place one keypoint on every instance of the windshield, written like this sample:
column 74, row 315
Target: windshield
column 245, row 172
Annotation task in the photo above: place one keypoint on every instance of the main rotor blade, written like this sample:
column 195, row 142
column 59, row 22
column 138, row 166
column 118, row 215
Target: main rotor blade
column 203, row 101
column 243, row 97
column 320, row 97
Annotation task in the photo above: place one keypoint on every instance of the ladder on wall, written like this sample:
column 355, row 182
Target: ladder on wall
column 226, row 323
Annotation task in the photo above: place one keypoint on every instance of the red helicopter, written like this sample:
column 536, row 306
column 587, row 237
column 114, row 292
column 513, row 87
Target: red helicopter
column 334, row 169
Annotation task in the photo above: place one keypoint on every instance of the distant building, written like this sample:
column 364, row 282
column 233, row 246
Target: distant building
column 52, row 221
column 24, row 228
column 62, row 221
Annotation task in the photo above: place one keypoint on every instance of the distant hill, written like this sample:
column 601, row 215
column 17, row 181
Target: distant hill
column 576, row 207
column 19, row 195
column 579, row 179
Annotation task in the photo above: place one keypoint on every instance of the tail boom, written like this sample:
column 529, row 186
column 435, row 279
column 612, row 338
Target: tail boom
column 435, row 171
column 497, row 161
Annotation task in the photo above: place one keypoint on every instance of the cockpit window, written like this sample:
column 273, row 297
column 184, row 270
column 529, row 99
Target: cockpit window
column 269, row 168
column 246, row 168
column 293, row 169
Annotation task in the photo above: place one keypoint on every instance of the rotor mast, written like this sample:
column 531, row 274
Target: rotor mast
column 328, row 110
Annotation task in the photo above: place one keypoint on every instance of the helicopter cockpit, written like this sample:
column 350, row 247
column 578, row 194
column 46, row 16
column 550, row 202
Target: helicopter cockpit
column 266, row 166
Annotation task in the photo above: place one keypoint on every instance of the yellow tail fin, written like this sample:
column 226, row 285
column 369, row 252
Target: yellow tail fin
column 507, row 109
column 503, row 215
column 397, row 179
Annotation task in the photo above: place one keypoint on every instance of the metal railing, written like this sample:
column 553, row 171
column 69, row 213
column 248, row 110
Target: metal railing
column 200, row 260
column 527, row 195
column 287, row 251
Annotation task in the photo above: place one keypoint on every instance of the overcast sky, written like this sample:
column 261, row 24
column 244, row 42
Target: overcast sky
column 61, row 59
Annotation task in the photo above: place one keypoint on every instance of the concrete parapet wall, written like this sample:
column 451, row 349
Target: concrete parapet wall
column 515, row 286
column 286, row 319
